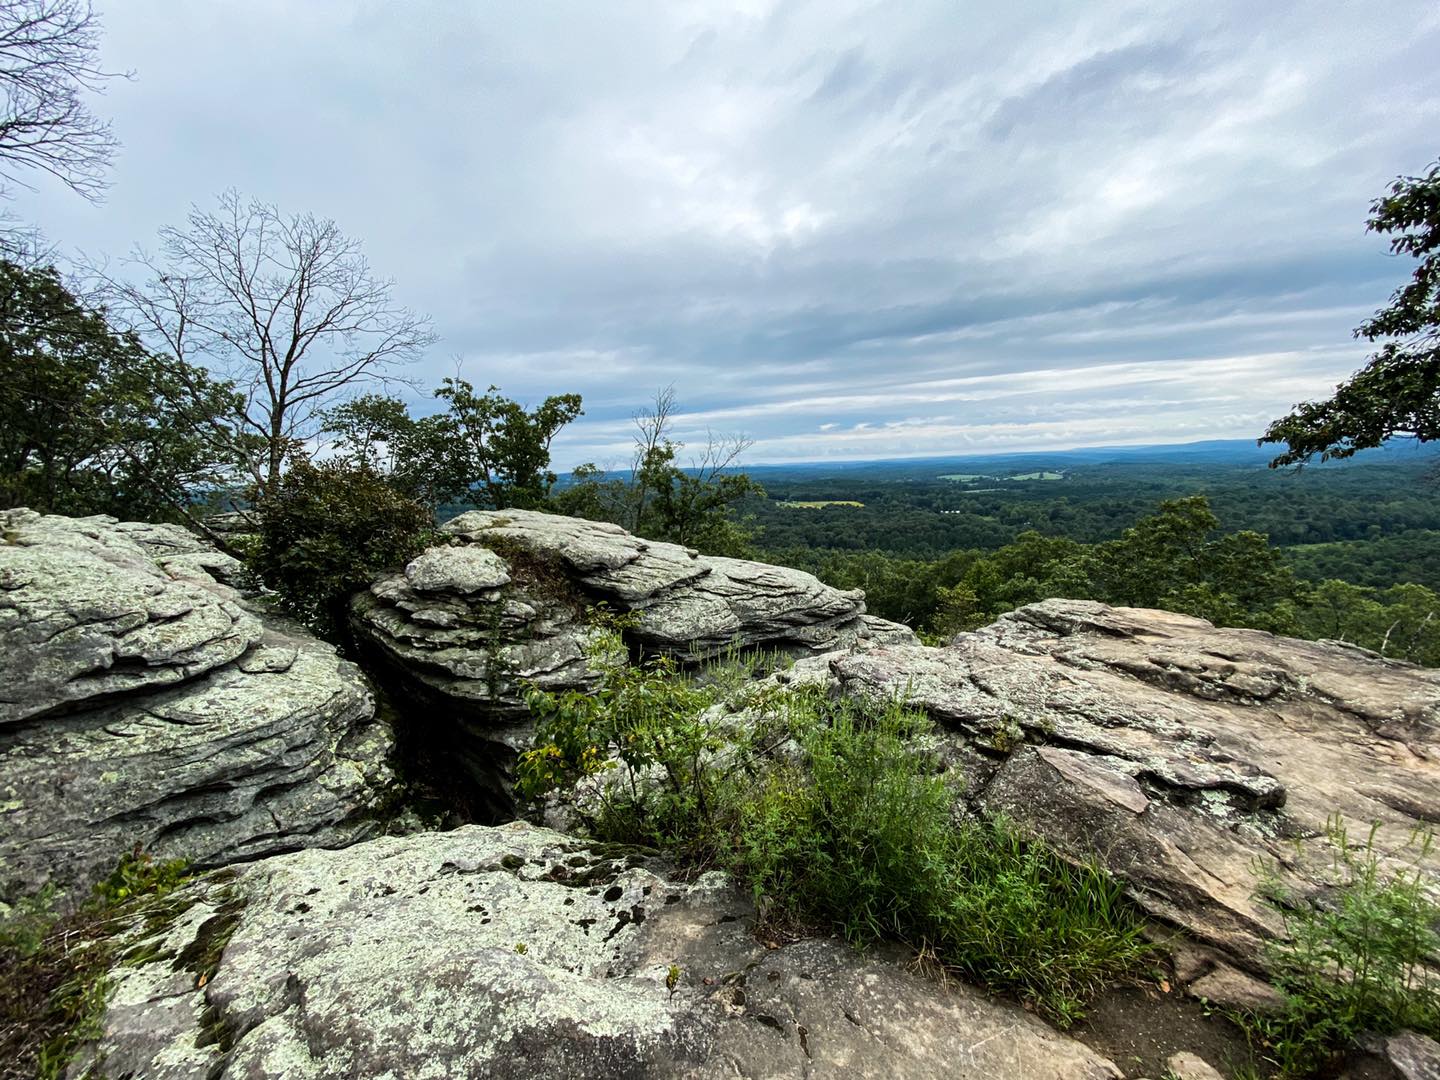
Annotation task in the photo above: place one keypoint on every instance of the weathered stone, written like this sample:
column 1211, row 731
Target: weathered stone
column 689, row 605
column 1188, row 1066
column 86, row 613
column 146, row 709
column 469, row 626
column 1232, row 989
column 1413, row 1056
column 519, row 952
column 1190, row 760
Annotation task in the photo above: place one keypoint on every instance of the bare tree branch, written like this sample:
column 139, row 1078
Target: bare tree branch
column 286, row 307
column 47, row 60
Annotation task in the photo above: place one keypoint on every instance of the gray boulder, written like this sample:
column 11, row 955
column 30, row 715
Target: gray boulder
column 519, row 952
column 88, row 612
column 504, row 605
column 1190, row 760
column 145, row 704
column 464, row 628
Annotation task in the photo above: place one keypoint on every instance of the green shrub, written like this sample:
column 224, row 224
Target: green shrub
column 839, row 820
column 645, row 716
column 1355, row 961
column 863, row 840
column 326, row 531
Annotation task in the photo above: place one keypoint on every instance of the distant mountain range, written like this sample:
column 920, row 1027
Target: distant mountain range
column 1233, row 452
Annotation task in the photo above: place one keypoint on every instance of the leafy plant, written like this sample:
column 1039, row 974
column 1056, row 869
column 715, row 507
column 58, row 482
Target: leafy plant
column 863, row 839
column 838, row 818
column 325, row 531
column 1355, row 961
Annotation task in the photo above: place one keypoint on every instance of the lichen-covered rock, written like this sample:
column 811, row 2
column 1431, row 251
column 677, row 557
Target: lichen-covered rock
column 147, row 705
column 519, row 952
column 503, row 605
column 468, row 627
column 87, row 612
column 1190, row 760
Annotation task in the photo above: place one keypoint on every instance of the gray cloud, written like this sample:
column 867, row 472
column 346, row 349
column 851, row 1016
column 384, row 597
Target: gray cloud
column 848, row 229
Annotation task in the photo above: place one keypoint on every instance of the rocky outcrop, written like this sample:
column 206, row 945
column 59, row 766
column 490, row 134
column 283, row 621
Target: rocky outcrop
column 142, row 702
column 504, row 604
column 519, row 952
column 1190, row 760
column 467, row 627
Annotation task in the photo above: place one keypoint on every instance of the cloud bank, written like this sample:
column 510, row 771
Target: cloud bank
column 848, row 230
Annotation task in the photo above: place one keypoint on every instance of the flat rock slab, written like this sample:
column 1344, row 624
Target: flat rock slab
column 203, row 731
column 520, row 952
column 1187, row 758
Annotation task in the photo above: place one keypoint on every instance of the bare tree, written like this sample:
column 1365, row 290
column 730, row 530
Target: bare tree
column 654, row 453
column 48, row 58
column 286, row 307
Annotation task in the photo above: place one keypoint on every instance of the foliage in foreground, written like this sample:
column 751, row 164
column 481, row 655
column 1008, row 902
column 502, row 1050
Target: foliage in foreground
column 1397, row 393
column 1357, row 961
column 840, row 821
column 54, row 971
column 93, row 422
column 325, row 531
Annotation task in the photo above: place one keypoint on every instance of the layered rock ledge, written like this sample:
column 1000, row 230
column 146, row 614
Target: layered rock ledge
column 142, row 702
column 468, row 625
column 1192, row 761
column 520, row 952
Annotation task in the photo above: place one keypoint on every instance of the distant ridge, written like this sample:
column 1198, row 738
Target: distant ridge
column 1236, row 452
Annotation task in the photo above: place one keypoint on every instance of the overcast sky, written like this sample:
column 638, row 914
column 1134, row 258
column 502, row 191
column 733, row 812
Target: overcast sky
column 847, row 230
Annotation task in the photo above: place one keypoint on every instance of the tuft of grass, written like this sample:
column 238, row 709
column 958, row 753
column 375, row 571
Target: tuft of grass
column 55, row 969
column 1357, row 960
column 862, row 839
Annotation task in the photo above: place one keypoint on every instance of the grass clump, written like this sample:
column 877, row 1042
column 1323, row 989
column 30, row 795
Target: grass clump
column 1358, row 960
column 55, row 969
column 862, row 838
column 840, row 821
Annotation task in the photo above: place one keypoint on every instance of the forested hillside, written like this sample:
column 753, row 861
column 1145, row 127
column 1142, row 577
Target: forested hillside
column 1349, row 552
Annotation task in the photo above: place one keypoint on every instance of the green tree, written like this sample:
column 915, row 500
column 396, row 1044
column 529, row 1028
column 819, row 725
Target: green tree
column 661, row 499
column 325, row 531
column 93, row 422
column 1397, row 392
column 483, row 449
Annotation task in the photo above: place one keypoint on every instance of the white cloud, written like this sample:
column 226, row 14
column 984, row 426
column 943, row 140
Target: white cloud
column 848, row 229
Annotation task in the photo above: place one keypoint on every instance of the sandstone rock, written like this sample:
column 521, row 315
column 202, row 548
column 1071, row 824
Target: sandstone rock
column 1188, row 1066
column 465, row 628
column 689, row 605
column 519, row 952
column 1187, row 758
column 150, row 707
column 86, row 613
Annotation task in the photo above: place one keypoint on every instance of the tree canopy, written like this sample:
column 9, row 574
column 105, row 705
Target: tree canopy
column 1397, row 392
column 286, row 306
column 483, row 449
column 93, row 422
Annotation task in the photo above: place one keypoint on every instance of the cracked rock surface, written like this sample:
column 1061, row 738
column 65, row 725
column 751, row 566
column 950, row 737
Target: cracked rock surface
column 520, row 952
column 1187, row 758
column 466, row 623
column 145, row 704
